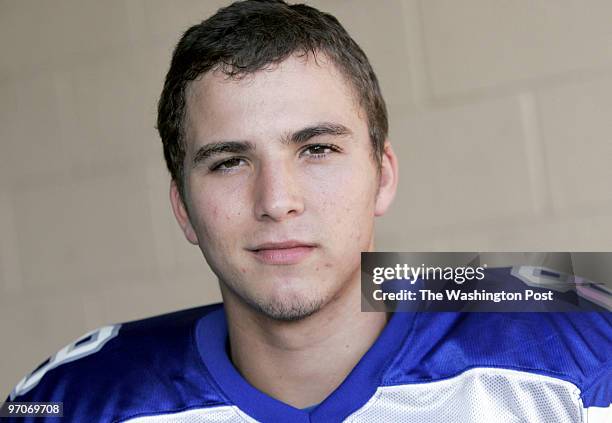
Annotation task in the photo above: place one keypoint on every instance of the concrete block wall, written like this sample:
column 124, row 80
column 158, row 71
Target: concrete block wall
column 500, row 113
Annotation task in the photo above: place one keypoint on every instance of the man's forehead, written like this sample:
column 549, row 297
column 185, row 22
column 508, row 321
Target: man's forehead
column 299, row 66
column 298, row 87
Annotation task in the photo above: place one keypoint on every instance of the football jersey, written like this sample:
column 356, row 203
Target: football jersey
column 423, row 367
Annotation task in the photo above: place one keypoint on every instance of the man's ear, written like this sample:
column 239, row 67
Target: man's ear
column 388, row 180
column 180, row 213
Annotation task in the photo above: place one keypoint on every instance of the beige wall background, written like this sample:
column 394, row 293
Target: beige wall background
column 501, row 113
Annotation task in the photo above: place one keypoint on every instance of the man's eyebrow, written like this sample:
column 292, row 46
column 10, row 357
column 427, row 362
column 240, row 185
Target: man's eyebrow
column 211, row 149
column 297, row 137
column 323, row 128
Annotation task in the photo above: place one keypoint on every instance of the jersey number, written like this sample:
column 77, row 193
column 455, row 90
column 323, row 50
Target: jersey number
column 88, row 344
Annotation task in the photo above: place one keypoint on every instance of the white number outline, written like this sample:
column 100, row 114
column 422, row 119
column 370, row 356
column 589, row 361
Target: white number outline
column 71, row 352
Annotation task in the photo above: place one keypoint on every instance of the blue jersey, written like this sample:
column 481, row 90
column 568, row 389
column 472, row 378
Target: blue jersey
column 424, row 367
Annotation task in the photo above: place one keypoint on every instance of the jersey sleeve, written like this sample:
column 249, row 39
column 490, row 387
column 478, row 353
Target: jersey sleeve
column 123, row 371
column 64, row 376
column 84, row 346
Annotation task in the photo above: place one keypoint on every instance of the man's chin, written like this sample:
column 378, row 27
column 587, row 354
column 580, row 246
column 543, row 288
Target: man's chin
column 290, row 310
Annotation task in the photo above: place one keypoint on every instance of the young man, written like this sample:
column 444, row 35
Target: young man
column 275, row 135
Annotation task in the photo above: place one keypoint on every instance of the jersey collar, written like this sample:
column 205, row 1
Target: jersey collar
column 354, row 392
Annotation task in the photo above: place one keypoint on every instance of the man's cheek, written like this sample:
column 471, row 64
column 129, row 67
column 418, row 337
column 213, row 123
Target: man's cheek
column 214, row 233
column 216, row 217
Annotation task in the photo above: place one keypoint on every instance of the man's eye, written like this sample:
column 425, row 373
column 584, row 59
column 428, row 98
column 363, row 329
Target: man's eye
column 318, row 150
column 227, row 165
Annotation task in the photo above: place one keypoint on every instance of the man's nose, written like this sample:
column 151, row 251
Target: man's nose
column 278, row 194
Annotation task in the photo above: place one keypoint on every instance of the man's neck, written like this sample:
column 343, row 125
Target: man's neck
column 301, row 362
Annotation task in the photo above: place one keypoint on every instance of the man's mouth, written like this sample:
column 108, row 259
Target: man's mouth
column 285, row 252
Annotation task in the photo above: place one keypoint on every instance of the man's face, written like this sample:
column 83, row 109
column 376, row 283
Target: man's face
column 280, row 185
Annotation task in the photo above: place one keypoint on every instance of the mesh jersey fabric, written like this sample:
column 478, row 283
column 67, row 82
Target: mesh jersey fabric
column 424, row 367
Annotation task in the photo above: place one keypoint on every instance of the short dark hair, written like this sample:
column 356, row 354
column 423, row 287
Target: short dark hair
column 248, row 36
